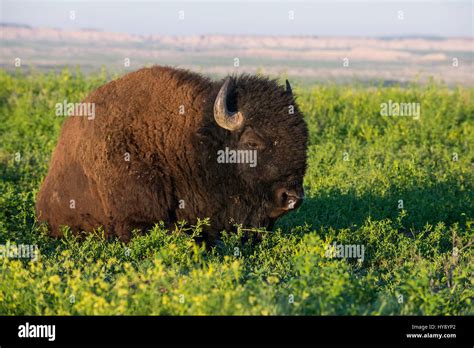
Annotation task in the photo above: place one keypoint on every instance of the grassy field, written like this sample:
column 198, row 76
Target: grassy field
column 402, row 188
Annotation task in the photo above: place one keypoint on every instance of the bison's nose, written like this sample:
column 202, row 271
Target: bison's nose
column 288, row 199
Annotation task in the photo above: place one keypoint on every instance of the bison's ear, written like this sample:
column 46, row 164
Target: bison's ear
column 228, row 120
column 289, row 91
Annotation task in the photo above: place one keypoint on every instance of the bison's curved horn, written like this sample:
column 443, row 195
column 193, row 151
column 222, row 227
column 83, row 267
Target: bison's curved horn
column 288, row 88
column 227, row 120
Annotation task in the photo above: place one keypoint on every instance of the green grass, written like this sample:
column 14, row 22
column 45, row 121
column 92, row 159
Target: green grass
column 418, row 260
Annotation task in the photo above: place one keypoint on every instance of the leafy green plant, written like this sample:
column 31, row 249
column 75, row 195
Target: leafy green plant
column 400, row 187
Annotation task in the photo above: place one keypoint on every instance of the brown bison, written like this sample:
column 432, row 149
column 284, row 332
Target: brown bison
column 169, row 145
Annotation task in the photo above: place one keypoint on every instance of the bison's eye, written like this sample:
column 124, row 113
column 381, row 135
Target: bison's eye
column 252, row 145
column 252, row 140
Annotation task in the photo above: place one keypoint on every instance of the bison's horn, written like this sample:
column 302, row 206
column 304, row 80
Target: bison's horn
column 227, row 120
column 288, row 88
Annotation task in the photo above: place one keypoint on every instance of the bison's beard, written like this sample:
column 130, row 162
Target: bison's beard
column 241, row 212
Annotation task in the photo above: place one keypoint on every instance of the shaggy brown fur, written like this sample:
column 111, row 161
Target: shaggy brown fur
column 173, row 172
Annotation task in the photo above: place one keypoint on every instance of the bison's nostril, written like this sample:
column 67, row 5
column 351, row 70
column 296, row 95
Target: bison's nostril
column 285, row 200
column 288, row 199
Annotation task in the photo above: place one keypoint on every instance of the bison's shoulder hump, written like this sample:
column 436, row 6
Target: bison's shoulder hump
column 145, row 80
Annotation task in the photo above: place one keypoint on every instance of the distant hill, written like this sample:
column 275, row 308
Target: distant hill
column 308, row 58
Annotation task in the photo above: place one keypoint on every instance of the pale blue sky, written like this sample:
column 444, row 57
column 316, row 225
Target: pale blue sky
column 321, row 18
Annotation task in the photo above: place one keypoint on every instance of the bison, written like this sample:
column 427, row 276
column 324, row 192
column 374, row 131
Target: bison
column 169, row 145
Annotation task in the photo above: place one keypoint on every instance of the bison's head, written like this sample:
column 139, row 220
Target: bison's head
column 261, row 116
